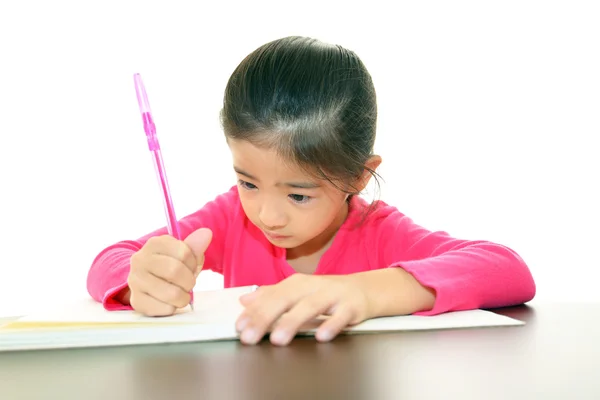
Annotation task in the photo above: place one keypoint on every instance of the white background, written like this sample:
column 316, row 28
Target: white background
column 488, row 124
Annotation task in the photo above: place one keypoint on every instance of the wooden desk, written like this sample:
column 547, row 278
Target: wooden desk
column 555, row 356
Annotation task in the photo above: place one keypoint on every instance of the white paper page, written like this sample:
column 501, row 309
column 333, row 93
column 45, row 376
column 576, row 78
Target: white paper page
column 451, row 320
column 115, row 336
column 225, row 330
column 213, row 318
column 209, row 307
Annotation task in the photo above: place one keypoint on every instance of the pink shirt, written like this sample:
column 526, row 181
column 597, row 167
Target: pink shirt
column 465, row 274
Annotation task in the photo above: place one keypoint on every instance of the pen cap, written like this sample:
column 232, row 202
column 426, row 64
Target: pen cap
column 144, row 104
column 140, row 91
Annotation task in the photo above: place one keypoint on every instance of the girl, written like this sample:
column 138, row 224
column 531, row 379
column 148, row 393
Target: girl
column 299, row 118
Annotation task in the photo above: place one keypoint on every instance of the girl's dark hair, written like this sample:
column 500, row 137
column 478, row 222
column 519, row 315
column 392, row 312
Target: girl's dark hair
column 314, row 103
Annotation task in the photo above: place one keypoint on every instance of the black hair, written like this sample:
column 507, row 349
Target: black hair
column 313, row 102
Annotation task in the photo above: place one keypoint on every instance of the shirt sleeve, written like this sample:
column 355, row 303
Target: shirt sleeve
column 465, row 274
column 108, row 273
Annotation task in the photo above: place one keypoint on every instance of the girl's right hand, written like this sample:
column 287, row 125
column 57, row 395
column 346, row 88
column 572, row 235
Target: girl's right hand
column 164, row 271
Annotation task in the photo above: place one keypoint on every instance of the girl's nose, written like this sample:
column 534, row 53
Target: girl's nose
column 272, row 218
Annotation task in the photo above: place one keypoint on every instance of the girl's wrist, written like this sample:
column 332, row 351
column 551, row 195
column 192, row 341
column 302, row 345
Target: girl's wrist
column 123, row 296
column 393, row 291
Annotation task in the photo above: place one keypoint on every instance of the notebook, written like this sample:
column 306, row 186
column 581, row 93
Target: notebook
column 85, row 323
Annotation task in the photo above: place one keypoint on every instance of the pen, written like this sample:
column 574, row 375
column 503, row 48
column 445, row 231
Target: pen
column 154, row 146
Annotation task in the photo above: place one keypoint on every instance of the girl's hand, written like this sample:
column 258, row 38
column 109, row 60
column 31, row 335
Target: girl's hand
column 302, row 298
column 164, row 271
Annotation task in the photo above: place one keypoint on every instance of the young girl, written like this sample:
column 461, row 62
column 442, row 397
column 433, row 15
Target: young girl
column 299, row 118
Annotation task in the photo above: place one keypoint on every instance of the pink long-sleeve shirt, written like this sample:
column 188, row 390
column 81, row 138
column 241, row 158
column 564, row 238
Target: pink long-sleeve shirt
column 464, row 274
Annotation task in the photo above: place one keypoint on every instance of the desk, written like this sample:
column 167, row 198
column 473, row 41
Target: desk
column 555, row 356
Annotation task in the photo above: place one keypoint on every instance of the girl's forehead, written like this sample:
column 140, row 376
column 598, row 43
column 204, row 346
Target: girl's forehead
column 262, row 163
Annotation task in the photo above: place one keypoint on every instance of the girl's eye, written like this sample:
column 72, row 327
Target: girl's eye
column 246, row 185
column 299, row 198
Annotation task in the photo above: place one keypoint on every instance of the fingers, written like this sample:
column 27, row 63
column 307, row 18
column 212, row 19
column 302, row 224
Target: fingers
column 256, row 320
column 294, row 305
column 248, row 298
column 172, row 271
column 169, row 246
column 164, row 272
column 305, row 310
column 198, row 242
column 149, row 306
column 340, row 319
column 158, row 289
column 199, row 267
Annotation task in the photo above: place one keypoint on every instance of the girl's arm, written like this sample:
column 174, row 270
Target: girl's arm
column 107, row 277
column 441, row 273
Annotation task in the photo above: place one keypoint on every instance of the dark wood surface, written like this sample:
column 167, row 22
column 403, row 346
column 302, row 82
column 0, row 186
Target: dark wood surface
column 556, row 355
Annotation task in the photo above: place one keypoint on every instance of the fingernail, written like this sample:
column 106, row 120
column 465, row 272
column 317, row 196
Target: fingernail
column 249, row 336
column 324, row 336
column 279, row 337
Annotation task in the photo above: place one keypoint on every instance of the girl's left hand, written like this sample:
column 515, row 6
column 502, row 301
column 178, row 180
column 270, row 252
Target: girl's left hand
column 302, row 298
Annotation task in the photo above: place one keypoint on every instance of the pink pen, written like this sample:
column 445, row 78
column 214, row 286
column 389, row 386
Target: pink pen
column 154, row 146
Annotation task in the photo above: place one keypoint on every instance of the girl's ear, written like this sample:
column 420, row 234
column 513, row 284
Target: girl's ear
column 371, row 165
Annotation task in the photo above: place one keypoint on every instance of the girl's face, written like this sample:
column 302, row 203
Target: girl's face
column 294, row 210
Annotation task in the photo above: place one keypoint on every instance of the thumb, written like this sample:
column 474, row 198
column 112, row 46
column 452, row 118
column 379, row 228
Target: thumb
column 198, row 241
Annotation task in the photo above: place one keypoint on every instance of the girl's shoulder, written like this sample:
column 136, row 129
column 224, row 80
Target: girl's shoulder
column 365, row 215
column 227, row 199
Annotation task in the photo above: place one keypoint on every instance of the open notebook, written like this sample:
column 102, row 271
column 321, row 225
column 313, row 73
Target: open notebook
column 85, row 323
